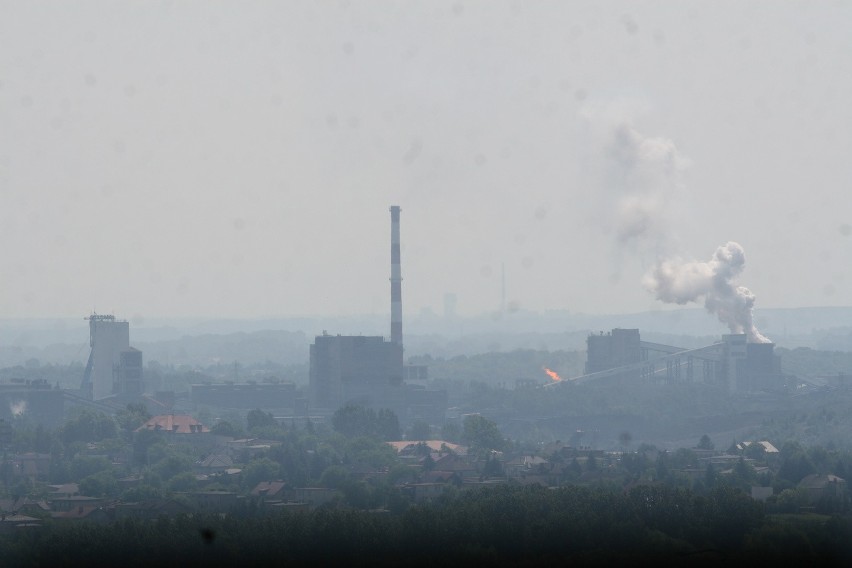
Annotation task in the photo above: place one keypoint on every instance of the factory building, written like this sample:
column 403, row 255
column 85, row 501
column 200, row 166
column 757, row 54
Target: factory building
column 425, row 405
column 751, row 367
column 107, row 339
column 368, row 370
column 127, row 375
column 736, row 364
column 617, row 348
column 358, row 369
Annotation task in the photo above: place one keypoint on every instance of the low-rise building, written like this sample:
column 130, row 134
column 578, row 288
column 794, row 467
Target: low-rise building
column 181, row 428
column 420, row 492
column 176, row 424
column 824, row 489
column 17, row 522
column 93, row 513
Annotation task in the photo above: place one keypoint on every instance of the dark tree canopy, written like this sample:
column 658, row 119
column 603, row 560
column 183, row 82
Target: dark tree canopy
column 354, row 420
column 88, row 426
column 705, row 443
column 482, row 434
column 259, row 419
column 225, row 428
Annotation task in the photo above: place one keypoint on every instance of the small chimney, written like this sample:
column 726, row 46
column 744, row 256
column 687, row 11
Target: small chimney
column 396, row 279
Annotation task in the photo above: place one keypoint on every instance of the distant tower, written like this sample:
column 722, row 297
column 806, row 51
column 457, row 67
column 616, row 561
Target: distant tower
column 127, row 375
column 450, row 301
column 395, row 279
column 502, row 287
column 107, row 338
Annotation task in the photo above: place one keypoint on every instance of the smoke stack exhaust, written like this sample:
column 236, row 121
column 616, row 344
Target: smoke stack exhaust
column 396, row 279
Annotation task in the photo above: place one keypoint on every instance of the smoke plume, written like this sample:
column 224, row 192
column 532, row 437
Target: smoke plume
column 642, row 181
column 18, row 407
column 714, row 281
column 645, row 172
column 641, row 176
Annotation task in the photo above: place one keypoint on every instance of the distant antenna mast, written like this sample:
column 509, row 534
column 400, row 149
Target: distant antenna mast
column 502, row 287
column 396, row 279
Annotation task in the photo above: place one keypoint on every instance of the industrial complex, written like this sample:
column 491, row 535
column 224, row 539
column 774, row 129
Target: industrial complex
column 371, row 371
column 738, row 365
column 113, row 378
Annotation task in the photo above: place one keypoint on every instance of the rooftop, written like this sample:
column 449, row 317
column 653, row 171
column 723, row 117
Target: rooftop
column 178, row 423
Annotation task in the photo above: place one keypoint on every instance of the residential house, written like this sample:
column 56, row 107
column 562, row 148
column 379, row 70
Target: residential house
column 824, row 489
column 24, row 506
column 526, row 465
column 267, row 491
column 362, row 471
column 453, row 463
column 768, row 448
column 64, row 490
column 13, row 523
column 247, row 449
column 64, row 504
column 420, row 492
column 409, row 447
column 93, row 513
column 180, row 427
column 214, row 463
column 174, row 424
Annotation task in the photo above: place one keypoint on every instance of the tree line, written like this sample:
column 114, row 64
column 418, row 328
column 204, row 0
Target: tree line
column 506, row 525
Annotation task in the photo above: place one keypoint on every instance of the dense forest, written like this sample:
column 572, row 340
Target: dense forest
column 501, row 526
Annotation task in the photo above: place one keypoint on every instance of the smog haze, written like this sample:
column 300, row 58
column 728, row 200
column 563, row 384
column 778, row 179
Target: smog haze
column 238, row 159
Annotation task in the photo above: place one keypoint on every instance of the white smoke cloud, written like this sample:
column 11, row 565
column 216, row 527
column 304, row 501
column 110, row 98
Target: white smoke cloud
column 18, row 408
column 643, row 181
column 714, row 281
column 642, row 175
column 646, row 174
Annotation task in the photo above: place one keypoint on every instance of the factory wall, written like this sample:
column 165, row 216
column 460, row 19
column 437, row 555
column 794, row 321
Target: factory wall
column 614, row 349
column 129, row 372
column 363, row 369
column 245, row 396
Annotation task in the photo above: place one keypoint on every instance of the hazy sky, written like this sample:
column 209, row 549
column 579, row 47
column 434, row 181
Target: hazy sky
column 238, row 158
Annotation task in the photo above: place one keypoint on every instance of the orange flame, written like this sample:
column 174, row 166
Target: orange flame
column 552, row 374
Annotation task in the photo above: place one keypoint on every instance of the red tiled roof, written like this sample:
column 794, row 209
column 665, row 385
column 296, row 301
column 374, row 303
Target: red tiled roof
column 178, row 423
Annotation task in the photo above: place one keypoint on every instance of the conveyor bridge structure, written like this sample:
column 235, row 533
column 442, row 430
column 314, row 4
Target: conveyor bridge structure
column 663, row 362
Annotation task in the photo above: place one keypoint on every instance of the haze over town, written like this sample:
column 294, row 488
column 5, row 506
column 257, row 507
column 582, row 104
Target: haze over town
column 223, row 160
column 407, row 283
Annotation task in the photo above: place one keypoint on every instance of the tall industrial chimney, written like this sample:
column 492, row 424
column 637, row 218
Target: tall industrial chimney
column 395, row 279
